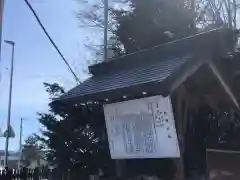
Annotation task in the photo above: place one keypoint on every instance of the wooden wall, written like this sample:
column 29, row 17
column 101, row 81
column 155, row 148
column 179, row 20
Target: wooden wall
column 223, row 165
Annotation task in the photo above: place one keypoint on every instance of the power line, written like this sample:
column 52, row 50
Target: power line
column 52, row 42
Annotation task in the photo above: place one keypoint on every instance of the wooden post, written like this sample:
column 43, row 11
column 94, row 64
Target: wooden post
column 181, row 121
column 207, row 173
column 120, row 164
column 118, row 168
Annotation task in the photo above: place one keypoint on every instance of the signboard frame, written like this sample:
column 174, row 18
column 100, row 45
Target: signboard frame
column 142, row 128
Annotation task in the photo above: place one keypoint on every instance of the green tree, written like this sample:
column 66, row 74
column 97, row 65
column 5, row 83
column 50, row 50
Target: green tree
column 32, row 150
column 73, row 135
column 151, row 23
column 140, row 24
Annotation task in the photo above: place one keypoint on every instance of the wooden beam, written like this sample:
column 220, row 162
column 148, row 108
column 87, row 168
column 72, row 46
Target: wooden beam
column 186, row 74
column 181, row 120
column 224, row 84
column 223, row 151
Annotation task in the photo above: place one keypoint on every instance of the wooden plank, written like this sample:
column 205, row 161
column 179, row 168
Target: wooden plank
column 223, row 151
column 181, row 120
column 223, row 164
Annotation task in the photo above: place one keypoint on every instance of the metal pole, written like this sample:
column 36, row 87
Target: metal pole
column 1, row 22
column 193, row 7
column 9, row 104
column 105, row 54
column 20, row 144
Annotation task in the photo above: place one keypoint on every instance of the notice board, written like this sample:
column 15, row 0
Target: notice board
column 141, row 128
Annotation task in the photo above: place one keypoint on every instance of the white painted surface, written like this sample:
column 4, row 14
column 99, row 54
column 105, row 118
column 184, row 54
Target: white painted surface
column 142, row 128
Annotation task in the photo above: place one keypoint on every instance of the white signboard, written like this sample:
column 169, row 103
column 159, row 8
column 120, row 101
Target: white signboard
column 142, row 128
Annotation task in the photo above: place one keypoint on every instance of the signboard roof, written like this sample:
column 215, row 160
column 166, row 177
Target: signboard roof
column 152, row 70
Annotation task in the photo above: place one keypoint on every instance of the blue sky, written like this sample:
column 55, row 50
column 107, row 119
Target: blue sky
column 36, row 61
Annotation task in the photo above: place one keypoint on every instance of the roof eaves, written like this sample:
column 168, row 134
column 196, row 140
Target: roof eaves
column 199, row 42
column 164, row 87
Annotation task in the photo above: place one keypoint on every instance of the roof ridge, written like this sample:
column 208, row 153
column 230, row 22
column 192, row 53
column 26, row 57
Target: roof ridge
column 164, row 44
column 190, row 43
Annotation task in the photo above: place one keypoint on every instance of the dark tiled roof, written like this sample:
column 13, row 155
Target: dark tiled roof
column 149, row 70
column 155, row 72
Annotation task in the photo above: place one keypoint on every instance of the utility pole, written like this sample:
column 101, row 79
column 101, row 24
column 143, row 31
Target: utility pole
column 193, row 8
column 20, row 144
column 9, row 104
column 105, row 53
column 105, row 58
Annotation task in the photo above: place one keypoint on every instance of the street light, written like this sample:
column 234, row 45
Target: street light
column 9, row 104
column 1, row 23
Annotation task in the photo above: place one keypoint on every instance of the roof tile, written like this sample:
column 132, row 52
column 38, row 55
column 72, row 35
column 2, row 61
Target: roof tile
column 157, row 71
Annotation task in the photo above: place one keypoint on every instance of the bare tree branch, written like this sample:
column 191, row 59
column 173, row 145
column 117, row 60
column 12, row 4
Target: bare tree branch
column 215, row 13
